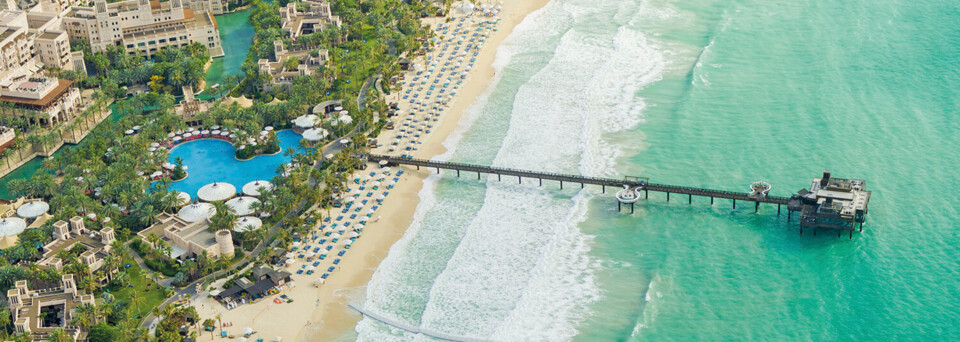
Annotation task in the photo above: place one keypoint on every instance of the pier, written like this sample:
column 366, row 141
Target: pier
column 830, row 203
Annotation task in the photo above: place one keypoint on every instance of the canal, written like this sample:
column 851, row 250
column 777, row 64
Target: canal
column 236, row 36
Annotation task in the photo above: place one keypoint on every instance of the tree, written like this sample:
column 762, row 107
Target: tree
column 137, row 299
column 59, row 335
column 101, row 332
column 208, row 325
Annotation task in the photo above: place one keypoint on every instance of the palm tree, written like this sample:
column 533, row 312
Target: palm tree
column 59, row 335
column 137, row 299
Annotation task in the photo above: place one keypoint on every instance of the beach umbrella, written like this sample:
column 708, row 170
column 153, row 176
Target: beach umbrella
column 383, row 163
column 310, row 254
column 307, row 121
column 247, row 223
column 183, row 198
column 247, row 330
column 386, row 169
column 381, row 197
column 354, row 234
column 253, row 188
column 358, row 226
column 290, row 255
column 290, row 261
column 33, row 209
column 315, row 134
column 241, row 205
column 216, row 192
column 335, row 236
column 197, row 212
column 11, row 226
column 350, row 199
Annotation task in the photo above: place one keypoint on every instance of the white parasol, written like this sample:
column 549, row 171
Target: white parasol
column 216, row 191
column 241, row 205
column 197, row 212
column 33, row 209
column 12, row 226
column 253, row 188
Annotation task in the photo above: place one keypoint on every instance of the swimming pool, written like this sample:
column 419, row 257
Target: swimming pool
column 212, row 160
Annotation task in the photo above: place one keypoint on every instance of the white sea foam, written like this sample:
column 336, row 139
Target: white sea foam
column 515, row 266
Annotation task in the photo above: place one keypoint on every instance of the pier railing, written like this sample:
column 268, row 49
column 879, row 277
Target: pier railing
column 639, row 184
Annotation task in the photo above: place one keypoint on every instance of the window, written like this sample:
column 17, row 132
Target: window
column 141, row 44
column 153, row 42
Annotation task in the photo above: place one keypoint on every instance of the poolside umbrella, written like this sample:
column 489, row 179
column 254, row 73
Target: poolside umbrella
column 156, row 174
column 216, row 192
column 253, row 188
column 33, row 209
column 177, row 138
column 224, row 134
column 171, row 135
column 241, row 205
column 268, row 128
column 315, row 134
column 345, row 119
column 183, row 198
column 247, row 223
column 151, row 149
column 128, row 132
column 191, row 129
column 154, row 144
column 11, row 226
column 215, row 132
column 215, row 127
column 205, row 132
column 179, row 132
column 383, row 163
column 344, row 141
column 197, row 212
column 307, row 121
column 263, row 133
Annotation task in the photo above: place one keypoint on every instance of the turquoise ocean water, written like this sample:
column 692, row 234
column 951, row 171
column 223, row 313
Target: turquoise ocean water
column 700, row 93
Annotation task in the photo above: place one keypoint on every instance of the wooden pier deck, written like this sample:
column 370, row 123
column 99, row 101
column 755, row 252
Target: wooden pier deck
column 640, row 184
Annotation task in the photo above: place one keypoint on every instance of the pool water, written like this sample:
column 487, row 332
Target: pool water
column 213, row 160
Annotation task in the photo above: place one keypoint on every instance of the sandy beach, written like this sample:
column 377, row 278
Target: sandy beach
column 322, row 311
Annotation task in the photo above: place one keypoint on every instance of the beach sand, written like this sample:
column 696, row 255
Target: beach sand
column 321, row 312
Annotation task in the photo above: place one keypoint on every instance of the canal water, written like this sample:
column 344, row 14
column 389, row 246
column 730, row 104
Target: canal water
column 236, row 36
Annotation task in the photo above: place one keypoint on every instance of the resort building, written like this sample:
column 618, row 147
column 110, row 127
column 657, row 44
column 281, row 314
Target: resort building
column 189, row 238
column 317, row 16
column 7, row 136
column 28, row 43
column 40, row 312
column 283, row 74
column 96, row 245
column 265, row 279
column 835, row 203
column 215, row 7
column 142, row 26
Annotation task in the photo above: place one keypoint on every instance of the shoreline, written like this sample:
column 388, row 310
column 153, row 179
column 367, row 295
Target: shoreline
column 335, row 318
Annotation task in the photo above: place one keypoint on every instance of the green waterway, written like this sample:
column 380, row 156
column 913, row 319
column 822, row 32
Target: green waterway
column 236, row 36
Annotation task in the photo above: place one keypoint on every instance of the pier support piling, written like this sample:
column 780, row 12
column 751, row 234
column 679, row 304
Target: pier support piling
column 498, row 177
column 851, row 234
column 458, row 173
column 619, row 204
column 603, row 190
column 646, row 194
column 478, row 175
column 519, row 180
column 561, row 185
column 631, row 208
column 778, row 209
column 540, row 180
column 711, row 200
column 756, row 209
column 689, row 199
column 668, row 197
column 789, row 213
column 438, row 170
column 734, row 204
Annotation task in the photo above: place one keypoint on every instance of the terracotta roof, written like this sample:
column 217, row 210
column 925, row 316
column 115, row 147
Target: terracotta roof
column 62, row 87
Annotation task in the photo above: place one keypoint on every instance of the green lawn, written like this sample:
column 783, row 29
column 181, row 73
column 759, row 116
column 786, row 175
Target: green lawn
column 152, row 298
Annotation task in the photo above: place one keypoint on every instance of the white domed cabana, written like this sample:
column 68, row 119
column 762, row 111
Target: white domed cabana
column 216, row 191
column 345, row 119
column 183, row 198
column 33, row 209
column 253, row 188
column 9, row 229
column 247, row 223
column 305, row 122
column 197, row 212
column 315, row 134
column 241, row 205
